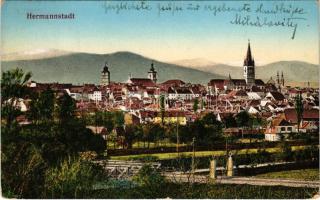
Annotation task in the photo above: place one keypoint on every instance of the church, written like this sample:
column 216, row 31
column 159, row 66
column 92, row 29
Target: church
column 248, row 83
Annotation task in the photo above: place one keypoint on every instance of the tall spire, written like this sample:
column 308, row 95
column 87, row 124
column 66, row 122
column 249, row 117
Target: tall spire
column 152, row 66
column 152, row 74
column 105, row 68
column 249, row 59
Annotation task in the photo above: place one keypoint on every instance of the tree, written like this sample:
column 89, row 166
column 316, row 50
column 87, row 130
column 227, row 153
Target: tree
column 66, row 108
column 130, row 135
column 107, row 121
column 230, row 121
column 243, row 119
column 157, row 133
column 162, row 108
column 46, row 104
column 33, row 113
column 118, row 119
column 147, row 129
column 195, row 105
column 210, row 119
column 13, row 87
column 211, row 130
column 299, row 109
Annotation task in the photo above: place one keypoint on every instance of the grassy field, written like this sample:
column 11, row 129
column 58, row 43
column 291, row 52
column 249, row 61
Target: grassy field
column 166, row 143
column 164, row 156
column 302, row 174
column 202, row 191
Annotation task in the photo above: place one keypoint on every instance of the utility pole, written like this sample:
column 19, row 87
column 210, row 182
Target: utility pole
column 193, row 157
column 177, row 131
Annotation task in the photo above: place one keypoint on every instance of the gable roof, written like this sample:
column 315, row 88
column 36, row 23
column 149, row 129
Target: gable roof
column 175, row 82
column 308, row 114
column 259, row 82
column 143, row 82
column 277, row 96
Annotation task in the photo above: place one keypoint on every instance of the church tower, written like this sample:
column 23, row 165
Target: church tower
column 282, row 79
column 152, row 74
column 105, row 75
column 248, row 68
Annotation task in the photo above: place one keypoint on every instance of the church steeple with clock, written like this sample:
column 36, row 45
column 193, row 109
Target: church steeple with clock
column 249, row 68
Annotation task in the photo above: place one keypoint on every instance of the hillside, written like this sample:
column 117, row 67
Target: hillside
column 81, row 68
column 294, row 71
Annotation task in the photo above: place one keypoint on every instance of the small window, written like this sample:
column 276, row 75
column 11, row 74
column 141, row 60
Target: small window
column 289, row 129
column 283, row 128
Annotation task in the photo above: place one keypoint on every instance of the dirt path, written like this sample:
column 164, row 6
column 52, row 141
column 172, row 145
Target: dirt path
column 242, row 180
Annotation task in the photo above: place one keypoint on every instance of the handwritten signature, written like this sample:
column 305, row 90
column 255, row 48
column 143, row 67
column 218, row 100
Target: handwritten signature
column 283, row 15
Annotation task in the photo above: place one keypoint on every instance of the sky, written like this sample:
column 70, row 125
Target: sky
column 165, row 35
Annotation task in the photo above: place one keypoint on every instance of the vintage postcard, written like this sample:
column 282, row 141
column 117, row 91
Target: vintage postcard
column 215, row 99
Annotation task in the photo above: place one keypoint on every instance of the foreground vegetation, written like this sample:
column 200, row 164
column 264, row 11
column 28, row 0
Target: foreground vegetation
column 301, row 174
column 211, row 191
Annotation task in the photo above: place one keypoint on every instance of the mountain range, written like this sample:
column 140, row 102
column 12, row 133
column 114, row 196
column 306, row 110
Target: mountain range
column 79, row 68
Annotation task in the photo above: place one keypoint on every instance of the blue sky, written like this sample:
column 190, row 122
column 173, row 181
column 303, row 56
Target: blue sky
column 167, row 37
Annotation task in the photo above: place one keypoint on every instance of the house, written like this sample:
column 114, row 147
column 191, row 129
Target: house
column 278, row 128
column 253, row 95
column 130, row 118
column 95, row 94
column 19, row 104
column 171, row 117
column 215, row 86
column 253, row 110
column 146, row 116
column 22, row 120
column 237, row 95
column 181, row 93
column 275, row 96
column 144, row 82
column 172, row 83
column 310, row 118
column 100, row 130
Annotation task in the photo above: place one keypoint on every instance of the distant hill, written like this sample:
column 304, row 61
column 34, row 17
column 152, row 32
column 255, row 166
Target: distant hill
column 194, row 63
column 60, row 66
column 79, row 68
column 34, row 54
column 294, row 71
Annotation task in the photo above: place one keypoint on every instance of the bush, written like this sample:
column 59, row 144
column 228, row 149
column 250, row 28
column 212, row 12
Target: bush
column 23, row 168
column 148, row 177
column 72, row 179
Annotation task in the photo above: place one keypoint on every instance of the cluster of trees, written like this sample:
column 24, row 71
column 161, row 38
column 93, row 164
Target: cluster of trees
column 206, row 130
column 35, row 156
column 243, row 119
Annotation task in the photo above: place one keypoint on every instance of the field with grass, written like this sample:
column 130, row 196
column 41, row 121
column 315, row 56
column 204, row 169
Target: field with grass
column 302, row 174
column 165, row 156
column 166, row 143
